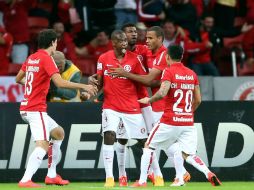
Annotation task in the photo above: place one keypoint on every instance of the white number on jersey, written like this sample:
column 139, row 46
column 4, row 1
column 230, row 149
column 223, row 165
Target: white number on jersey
column 188, row 100
column 29, row 81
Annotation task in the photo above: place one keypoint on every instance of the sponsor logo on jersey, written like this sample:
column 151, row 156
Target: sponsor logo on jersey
column 185, row 77
column 99, row 66
column 33, row 61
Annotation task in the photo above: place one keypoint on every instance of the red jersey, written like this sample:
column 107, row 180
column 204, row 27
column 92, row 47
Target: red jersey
column 141, row 51
column 39, row 68
column 178, row 102
column 120, row 94
column 157, row 61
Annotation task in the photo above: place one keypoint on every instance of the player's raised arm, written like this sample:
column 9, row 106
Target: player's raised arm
column 61, row 83
column 162, row 92
column 143, row 79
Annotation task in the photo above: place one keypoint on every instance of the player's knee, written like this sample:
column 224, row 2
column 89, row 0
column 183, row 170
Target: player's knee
column 57, row 133
column 185, row 155
column 109, row 137
column 122, row 141
column 43, row 144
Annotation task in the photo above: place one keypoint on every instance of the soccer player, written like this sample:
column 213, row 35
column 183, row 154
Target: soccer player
column 180, row 87
column 36, row 73
column 120, row 106
column 155, row 174
column 156, row 63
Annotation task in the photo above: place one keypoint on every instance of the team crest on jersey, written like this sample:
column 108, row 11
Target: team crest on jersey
column 127, row 68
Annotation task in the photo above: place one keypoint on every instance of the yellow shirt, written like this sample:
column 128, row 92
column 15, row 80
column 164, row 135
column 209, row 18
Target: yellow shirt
column 230, row 3
column 67, row 75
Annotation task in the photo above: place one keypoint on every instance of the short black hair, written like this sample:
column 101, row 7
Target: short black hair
column 115, row 33
column 127, row 25
column 175, row 52
column 158, row 31
column 45, row 38
column 168, row 21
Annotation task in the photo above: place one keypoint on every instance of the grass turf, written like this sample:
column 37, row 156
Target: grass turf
column 99, row 185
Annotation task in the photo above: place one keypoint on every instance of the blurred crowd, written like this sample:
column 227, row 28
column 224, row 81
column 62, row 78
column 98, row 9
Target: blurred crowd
column 209, row 30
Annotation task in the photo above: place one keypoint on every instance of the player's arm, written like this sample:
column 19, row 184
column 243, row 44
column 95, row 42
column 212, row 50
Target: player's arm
column 196, row 98
column 99, row 82
column 20, row 78
column 161, row 93
column 146, row 80
column 61, row 83
column 67, row 93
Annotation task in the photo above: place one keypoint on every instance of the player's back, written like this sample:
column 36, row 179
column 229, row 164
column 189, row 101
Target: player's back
column 178, row 102
column 39, row 68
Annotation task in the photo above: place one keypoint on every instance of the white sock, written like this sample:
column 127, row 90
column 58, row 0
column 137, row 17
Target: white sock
column 34, row 163
column 155, row 166
column 146, row 161
column 178, row 162
column 121, row 157
column 198, row 163
column 53, row 157
column 174, row 148
column 108, row 157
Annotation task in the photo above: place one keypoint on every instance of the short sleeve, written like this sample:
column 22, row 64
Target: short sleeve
column 196, row 79
column 161, row 62
column 23, row 68
column 166, row 75
column 50, row 66
column 100, row 66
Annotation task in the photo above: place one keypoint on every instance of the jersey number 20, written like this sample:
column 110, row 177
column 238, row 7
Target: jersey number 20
column 179, row 94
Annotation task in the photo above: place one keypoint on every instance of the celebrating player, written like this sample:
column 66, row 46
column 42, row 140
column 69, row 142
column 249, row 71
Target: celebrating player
column 36, row 73
column 180, row 87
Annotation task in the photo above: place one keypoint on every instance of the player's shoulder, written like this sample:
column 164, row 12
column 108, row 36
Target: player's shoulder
column 108, row 54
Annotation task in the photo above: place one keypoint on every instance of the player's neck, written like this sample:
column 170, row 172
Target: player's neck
column 119, row 55
column 131, row 47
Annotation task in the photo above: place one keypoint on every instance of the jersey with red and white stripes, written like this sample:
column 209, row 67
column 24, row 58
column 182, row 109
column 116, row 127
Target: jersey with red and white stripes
column 39, row 67
column 157, row 61
column 178, row 102
column 120, row 93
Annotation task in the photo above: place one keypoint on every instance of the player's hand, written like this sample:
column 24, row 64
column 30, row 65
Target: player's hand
column 92, row 90
column 93, row 80
column 144, row 100
column 117, row 72
column 85, row 96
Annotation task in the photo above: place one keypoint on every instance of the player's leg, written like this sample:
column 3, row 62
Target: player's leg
column 151, row 118
column 188, row 143
column 121, row 158
column 54, row 153
column 110, row 123
column 175, row 155
column 40, row 135
column 158, row 138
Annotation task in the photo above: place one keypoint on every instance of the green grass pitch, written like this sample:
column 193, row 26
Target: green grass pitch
column 99, row 185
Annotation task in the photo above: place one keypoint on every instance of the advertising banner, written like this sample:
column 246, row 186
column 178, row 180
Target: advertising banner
column 225, row 143
column 234, row 88
column 10, row 91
